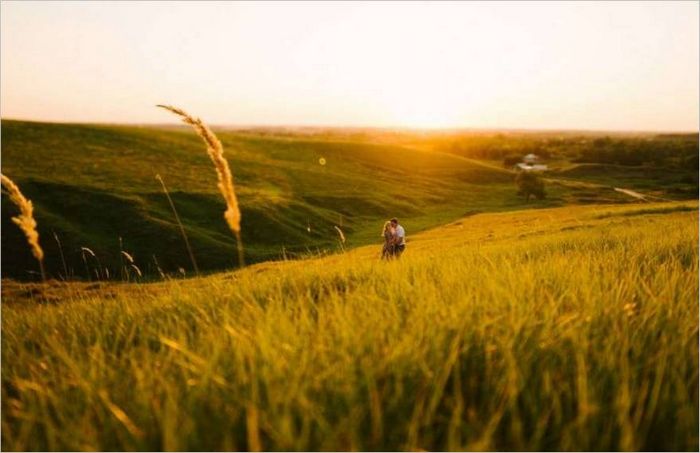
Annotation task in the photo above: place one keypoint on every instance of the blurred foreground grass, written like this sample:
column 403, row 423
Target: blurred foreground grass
column 556, row 329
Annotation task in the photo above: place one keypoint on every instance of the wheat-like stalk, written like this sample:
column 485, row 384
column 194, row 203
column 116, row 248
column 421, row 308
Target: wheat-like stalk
column 85, row 249
column 25, row 220
column 136, row 268
column 63, row 258
column 340, row 234
column 128, row 257
column 225, row 180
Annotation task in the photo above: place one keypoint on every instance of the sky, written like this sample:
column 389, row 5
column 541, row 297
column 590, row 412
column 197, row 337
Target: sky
column 597, row 65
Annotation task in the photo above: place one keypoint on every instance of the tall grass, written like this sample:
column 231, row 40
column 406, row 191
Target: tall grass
column 541, row 330
column 341, row 237
column 63, row 258
column 179, row 223
column 25, row 220
column 225, row 179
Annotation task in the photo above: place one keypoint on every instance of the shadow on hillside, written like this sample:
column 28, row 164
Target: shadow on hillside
column 84, row 217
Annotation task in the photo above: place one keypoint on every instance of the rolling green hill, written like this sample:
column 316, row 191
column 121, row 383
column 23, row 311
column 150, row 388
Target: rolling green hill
column 93, row 184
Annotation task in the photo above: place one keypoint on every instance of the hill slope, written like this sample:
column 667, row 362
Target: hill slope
column 92, row 185
column 554, row 329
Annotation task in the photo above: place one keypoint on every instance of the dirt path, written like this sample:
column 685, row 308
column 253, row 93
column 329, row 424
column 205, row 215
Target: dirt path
column 631, row 193
column 628, row 192
column 639, row 196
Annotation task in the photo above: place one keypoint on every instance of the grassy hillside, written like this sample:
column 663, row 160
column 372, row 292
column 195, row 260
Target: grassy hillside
column 95, row 184
column 557, row 329
column 92, row 185
column 657, row 181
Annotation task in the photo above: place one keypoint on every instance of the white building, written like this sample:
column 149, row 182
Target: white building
column 531, row 159
column 526, row 167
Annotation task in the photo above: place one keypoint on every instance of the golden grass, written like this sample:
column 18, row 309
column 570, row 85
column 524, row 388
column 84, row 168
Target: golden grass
column 556, row 329
column 25, row 220
column 225, row 179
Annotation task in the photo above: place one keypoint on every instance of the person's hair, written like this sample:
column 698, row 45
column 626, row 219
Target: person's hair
column 387, row 225
column 394, row 220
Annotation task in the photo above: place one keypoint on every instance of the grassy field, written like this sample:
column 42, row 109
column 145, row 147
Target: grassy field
column 94, row 184
column 570, row 328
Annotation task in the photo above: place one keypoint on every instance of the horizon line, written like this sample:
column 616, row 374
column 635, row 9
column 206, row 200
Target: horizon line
column 243, row 126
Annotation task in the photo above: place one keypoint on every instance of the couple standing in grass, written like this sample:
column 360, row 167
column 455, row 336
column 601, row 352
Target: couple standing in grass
column 394, row 239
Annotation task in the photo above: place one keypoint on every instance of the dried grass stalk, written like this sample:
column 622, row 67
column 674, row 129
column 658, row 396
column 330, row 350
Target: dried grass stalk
column 136, row 268
column 128, row 257
column 25, row 220
column 225, row 180
column 340, row 234
column 85, row 249
column 179, row 223
column 63, row 258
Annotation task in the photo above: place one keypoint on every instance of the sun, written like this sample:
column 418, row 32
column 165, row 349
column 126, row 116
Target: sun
column 418, row 103
column 425, row 118
column 421, row 112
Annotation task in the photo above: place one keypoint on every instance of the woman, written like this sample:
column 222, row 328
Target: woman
column 389, row 234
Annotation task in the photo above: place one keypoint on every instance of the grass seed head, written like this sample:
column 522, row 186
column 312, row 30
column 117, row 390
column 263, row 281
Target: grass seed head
column 216, row 153
column 136, row 269
column 128, row 257
column 215, row 150
column 90, row 252
column 25, row 220
column 340, row 234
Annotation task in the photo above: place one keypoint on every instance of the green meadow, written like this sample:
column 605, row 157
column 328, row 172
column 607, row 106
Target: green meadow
column 568, row 323
column 94, row 186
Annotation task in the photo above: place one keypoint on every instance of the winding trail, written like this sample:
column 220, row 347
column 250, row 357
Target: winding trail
column 639, row 196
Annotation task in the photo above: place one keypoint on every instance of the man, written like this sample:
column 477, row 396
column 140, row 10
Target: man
column 400, row 237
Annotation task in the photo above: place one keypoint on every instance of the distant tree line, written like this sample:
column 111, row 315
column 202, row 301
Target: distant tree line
column 663, row 150
column 496, row 147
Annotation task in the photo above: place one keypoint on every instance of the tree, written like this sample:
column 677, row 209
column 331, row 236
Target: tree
column 529, row 184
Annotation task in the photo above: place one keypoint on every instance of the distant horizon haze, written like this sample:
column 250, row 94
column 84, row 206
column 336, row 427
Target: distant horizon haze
column 528, row 66
column 359, row 127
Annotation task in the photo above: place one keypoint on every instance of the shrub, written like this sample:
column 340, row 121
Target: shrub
column 511, row 160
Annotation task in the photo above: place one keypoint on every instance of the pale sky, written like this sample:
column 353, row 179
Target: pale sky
column 599, row 65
